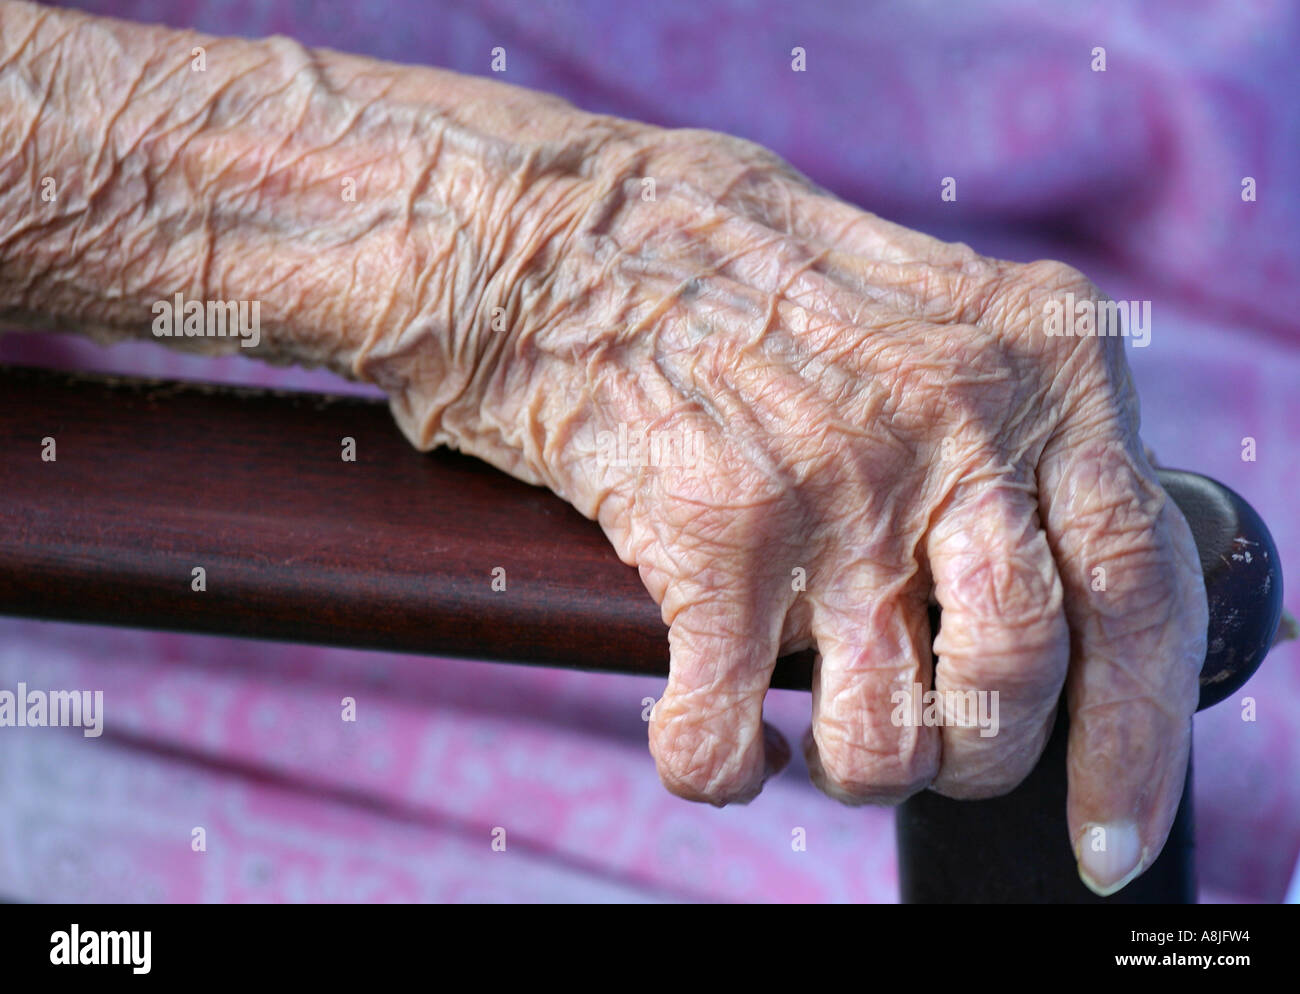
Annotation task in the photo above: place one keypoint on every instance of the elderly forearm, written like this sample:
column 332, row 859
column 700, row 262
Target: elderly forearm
column 363, row 206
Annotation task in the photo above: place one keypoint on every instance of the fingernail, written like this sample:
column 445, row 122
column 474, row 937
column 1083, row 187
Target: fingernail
column 1109, row 856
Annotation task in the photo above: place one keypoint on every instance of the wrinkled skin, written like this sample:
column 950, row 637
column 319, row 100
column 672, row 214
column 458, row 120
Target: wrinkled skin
column 870, row 409
column 884, row 411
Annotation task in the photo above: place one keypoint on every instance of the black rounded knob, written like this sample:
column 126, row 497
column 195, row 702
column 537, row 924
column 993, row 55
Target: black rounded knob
column 1243, row 580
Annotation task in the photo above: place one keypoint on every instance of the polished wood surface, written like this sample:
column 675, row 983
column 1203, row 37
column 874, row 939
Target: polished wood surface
column 393, row 551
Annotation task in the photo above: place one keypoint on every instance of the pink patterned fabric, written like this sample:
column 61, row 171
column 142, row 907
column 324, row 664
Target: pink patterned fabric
column 1134, row 175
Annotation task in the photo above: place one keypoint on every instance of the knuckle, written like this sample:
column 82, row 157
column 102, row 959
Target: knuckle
column 1074, row 325
column 1021, row 294
column 860, row 772
column 1149, row 604
column 961, row 291
column 991, row 771
column 1003, row 620
column 995, row 576
column 1027, row 671
column 1001, row 592
column 1110, row 499
column 1054, row 278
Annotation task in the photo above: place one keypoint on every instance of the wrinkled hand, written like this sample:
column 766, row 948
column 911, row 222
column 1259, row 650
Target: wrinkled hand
column 810, row 393
column 801, row 422
column 829, row 419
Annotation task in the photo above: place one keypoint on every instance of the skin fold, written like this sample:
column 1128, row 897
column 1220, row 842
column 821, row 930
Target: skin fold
column 870, row 409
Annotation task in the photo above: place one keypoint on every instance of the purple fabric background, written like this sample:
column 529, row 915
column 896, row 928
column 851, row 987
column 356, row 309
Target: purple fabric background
column 1134, row 175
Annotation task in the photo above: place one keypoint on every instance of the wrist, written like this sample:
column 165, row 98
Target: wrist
column 478, row 366
column 402, row 225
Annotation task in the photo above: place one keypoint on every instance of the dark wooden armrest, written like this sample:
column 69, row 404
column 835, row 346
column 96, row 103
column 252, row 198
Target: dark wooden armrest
column 393, row 551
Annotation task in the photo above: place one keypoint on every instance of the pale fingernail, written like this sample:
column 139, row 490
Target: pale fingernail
column 1109, row 856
